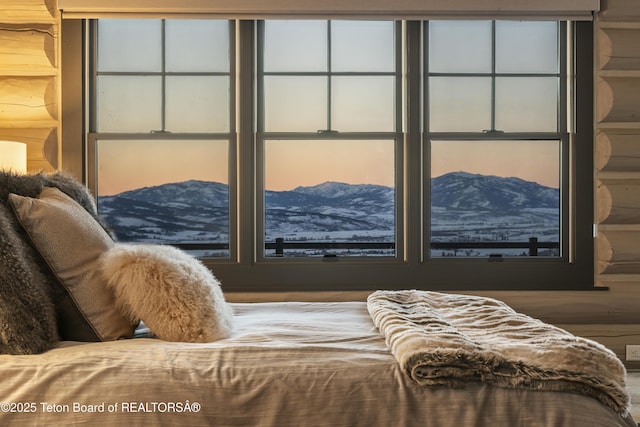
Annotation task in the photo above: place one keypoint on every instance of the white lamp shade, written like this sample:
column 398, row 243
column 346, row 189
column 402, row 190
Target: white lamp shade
column 13, row 156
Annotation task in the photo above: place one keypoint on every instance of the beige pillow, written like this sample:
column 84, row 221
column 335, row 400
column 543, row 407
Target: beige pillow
column 71, row 242
column 174, row 294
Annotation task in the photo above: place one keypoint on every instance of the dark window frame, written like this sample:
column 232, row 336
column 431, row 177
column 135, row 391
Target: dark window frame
column 95, row 136
column 246, row 273
column 329, row 134
column 561, row 135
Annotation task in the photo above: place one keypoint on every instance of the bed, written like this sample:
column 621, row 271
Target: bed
column 286, row 364
column 74, row 351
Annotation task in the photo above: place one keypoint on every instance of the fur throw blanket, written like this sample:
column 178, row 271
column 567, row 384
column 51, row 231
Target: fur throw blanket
column 28, row 298
column 451, row 339
column 27, row 315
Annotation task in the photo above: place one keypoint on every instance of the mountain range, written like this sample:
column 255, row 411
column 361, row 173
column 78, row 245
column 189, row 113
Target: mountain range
column 466, row 191
column 189, row 211
column 193, row 211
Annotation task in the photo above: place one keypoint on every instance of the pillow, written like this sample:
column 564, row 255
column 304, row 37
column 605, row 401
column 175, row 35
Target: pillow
column 71, row 242
column 174, row 294
column 27, row 312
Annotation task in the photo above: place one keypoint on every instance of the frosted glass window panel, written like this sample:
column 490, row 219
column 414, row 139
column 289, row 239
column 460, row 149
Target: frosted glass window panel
column 459, row 104
column 295, row 104
column 460, row 47
column 197, row 45
column 129, row 45
column 363, row 103
column 197, row 104
column 295, row 46
column 129, row 103
column 527, row 104
column 362, row 46
column 526, row 47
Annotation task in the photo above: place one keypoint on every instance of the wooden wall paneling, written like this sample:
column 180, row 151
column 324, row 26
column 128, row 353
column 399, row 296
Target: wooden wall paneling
column 618, row 49
column 617, row 166
column 28, row 99
column 614, row 337
column 33, row 11
column 618, row 250
column 617, row 99
column 28, row 49
column 618, row 201
column 617, row 150
column 30, row 78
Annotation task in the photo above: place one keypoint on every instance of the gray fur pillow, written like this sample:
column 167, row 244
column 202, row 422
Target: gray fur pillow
column 27, row 313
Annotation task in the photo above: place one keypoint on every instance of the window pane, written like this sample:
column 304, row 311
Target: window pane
column 364, row 103
column 295, row 45
column 459, row 104
column 320, row 192
column 197, row 104
column 526, row 47
column 487, row 195
column 362, row 46
column 197, row 45
column 295, row 104
column 459, row 46
column 129, row 103
column 165, row 191
column 527, row 104
column 129, row 45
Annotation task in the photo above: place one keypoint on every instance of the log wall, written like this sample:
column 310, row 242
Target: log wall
column 30, row 79
column 617, row 145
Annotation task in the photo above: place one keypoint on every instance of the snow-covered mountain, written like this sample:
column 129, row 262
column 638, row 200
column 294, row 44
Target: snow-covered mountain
column 189, row 211
column 478, row 208
column 196, row 211
column 462, row 190
column 329, row 207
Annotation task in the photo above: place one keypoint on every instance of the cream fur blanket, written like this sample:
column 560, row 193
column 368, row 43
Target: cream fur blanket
column 451, row 339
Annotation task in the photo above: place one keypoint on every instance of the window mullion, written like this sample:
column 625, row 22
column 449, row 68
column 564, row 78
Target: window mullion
column 493, row 76
column 92, row 36
column 246, row 161
column 415, row 230
column 564, row 120
column 329, row 77
column 163, row 118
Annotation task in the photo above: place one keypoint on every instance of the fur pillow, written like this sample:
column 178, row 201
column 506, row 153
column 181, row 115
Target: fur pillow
column 174, row 294
column 27, row 314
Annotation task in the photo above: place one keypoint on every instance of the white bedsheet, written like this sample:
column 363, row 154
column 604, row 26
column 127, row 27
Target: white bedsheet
column 286, row 364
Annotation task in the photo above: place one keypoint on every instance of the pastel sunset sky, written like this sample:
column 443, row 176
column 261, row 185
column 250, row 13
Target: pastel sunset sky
column 125, row 165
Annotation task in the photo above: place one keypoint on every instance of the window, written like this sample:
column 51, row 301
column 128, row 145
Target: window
column 496, row 136
column 369, row 154
column 329, row 134
column 163, row 130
